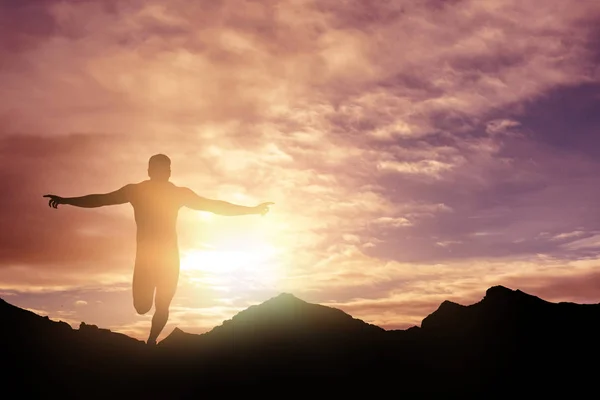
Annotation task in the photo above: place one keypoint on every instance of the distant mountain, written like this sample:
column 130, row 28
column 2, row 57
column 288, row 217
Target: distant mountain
column 509, row 342
column 510, row 333
column 284, row 319
column 507, row 314
column 25, row 327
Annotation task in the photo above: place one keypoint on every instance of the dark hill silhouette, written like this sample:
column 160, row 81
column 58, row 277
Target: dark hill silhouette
column 510, row 342
column 282, row 320
column 53, row 355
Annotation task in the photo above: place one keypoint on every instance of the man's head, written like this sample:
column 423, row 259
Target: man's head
column 159, row 167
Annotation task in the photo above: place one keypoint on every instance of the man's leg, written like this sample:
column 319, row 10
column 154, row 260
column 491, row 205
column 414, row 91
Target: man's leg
column 165, row 290
column 142, row 289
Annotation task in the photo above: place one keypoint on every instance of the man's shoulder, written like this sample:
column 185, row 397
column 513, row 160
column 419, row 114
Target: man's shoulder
column 136, row 187
column 148, row 187
column 136, row 184
column 179, row 189
column 184, row 193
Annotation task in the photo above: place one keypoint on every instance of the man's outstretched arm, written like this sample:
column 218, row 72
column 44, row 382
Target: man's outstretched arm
column 220, row 207
column 92, row 200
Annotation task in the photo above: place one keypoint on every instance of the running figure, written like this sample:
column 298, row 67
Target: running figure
column 156, row 203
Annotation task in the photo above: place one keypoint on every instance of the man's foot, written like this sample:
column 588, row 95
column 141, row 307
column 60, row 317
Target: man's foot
column 151, row 342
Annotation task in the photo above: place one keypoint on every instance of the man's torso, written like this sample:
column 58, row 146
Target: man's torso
column 156, row 206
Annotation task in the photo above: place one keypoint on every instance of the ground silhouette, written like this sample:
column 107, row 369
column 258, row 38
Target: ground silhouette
column 510, row 343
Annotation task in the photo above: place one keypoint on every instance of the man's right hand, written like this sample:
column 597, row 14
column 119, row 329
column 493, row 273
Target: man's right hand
column 263, row 208
column 54, row 200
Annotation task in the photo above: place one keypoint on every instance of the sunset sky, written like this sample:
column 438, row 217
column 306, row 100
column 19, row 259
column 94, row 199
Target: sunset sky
column 416, row 151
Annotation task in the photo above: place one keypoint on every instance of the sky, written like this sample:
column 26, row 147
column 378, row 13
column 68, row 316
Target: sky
column 416, row 151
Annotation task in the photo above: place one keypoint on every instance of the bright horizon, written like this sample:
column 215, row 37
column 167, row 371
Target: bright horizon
column 416, row 152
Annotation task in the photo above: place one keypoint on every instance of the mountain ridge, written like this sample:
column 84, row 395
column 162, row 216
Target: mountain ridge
column 283, row 314
column 494, row 294
column 457, row 349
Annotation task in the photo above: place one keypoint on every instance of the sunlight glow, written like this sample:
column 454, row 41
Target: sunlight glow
column 232, row 266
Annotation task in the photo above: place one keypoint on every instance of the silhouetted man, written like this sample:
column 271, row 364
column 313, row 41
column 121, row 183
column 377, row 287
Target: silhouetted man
column 156, row 203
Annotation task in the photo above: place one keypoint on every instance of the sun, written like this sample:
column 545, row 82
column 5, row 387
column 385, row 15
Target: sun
column 232, row 266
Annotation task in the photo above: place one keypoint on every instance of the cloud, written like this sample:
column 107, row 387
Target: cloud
column 425, row 167
column 447, row 243
column 395, row 222
column 501, row 126
column 586, row 243
column 39, row 235
column 567, row 235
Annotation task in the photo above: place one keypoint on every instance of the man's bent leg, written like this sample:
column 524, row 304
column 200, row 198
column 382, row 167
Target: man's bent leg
column 165, row 290
column 143, row 289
